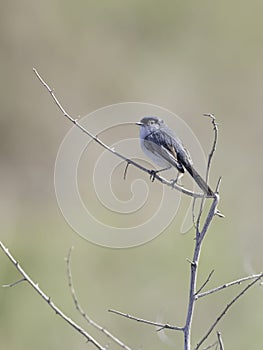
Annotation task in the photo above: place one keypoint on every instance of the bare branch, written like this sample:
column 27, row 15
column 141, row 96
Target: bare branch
column 214, row 345
column 210, row 156
column 47, row 299
column 228, row 306
column 83, row 313
column 218, row 184
column 215, row 126
column 157, row 324
column 199, row 238
column 226, row 285
column 220, row 341
column 212, row 212
column 171, row 184
column 14, row 283
column 194, row 269
column 205, row 282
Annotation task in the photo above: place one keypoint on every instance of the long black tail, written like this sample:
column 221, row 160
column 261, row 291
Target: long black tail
column 200, row 181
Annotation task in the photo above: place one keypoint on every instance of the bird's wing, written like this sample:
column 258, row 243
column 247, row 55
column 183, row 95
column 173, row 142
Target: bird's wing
column 185, row 160
column 182, row 153
column 164, row 143
column 161, row 145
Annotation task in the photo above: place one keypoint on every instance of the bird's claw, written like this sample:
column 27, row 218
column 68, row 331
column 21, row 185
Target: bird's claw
column 175, row 181
column 152, row 175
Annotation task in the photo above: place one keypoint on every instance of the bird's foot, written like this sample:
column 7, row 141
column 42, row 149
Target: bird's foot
column 176, row 181
column 153, row 175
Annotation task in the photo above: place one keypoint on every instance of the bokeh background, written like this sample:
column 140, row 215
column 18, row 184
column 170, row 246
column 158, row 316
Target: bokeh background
column 190, row 57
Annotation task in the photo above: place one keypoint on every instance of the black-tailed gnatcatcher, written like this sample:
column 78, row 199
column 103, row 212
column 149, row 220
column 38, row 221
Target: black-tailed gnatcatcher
column 165, row 149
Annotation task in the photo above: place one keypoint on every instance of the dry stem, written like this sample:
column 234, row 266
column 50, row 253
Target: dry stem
column 47, row 299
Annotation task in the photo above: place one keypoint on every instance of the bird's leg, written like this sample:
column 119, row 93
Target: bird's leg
column 178, row 177
column 154, row 172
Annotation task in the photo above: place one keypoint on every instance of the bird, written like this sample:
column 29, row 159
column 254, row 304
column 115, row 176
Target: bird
column 166, row 150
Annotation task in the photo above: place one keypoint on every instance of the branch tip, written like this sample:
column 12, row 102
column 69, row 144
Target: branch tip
column 218, row 184
column 219, row 214
column 14, row 283
column 210, row 115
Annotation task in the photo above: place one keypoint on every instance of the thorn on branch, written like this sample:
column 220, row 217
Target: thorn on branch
column 125, row 171
column 218, row 213
column 218, row 184
column 192, row 263
column 189, row 261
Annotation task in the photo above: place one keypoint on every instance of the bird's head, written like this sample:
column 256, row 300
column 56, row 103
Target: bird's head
column 151, row 122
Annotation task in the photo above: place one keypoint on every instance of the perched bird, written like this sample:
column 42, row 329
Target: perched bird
column 165, row 149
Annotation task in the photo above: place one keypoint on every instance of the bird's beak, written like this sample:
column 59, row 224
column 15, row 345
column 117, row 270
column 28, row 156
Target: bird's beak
column 139, row 123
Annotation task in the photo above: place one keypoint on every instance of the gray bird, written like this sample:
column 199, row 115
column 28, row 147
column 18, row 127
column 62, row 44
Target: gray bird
column 165, row 149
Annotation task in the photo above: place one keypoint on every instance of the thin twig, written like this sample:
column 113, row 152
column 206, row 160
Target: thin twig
column 193, row 213
column 218, row 184
column 83, row 313
column 228, row 306
column 47, row 299
column 171, row 184
column 226, row 285
column 211, row 346
column 205, row 282
column 210, row 156
column 213, row 149
column 220, row 341
column 14, row 283
column 157, row 324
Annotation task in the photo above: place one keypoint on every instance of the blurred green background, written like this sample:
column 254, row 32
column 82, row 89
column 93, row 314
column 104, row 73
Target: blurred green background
column 188, row 56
